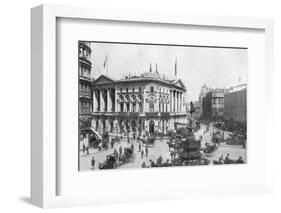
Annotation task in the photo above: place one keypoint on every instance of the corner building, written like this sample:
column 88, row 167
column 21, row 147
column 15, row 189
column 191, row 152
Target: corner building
column 147, row 102
column 235, row 103
column 85, row 94
column 213, row 104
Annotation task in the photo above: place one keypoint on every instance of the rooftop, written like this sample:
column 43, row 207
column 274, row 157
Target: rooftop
column 237, row 88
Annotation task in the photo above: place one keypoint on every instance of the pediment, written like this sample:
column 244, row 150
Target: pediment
column 104, row 79
column 179, row 83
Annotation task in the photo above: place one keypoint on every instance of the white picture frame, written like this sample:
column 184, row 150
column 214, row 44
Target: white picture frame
column 44, row 168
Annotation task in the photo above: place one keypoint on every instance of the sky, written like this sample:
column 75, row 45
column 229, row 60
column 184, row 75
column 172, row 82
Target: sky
column 196, row 66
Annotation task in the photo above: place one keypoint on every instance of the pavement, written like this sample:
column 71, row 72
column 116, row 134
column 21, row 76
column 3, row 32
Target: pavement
column 159, row 148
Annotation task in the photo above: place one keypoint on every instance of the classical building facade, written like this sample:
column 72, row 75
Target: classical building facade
column 147, row 102
column 85, row 94
column 213, row 104
column 235, row 103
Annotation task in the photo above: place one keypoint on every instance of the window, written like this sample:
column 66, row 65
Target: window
column 127, row 89
column 121, row 107
column 139, row 89
column 133, row 89
column 151, row 89
column 151, row 107
column 140, row 107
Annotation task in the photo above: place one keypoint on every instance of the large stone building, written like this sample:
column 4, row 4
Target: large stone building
column 203, row 91
column 235, row 103
column 147, row 102
column 85, row 94
column 213, row 104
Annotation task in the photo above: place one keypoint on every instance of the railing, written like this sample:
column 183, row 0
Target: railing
column 165, row 114
column 86, row 78
column 85, row 92
column 152, row 114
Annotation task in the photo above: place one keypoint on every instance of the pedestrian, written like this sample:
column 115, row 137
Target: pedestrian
column 221, row 159
column 84, row 148
column 87, row 149
column 146, row 151
column 142, row 152
column 240, row 160
column 152, row 163
column 167, row 163
column 139, row 146
column 120, row 150
column 143, row 165
column 93, row 162
column 112, row 143
column 172, row 154
column 134, row 136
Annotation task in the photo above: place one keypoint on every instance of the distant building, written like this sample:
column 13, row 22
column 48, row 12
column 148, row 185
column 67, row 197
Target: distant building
column 235, row 103
column 213, row 104
column 85, row 94
column 204, row 90
column 138, row 103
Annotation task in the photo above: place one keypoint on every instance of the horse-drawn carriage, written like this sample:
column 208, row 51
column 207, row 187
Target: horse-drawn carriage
column 228, row 160
column 111, row 162
column 209, row 149
column 217, row 138
column 236, row 139
column 128, row 156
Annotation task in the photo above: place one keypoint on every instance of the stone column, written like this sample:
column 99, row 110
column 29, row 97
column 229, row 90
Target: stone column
column 174, row 101
column 115, row 126
column 145, row 104
column 116, row 107
column 137, row 107
column 180, row 101
column 171, row 101
column 94, row 101
column 177, row 101
column 109, row 102
column 101, row 101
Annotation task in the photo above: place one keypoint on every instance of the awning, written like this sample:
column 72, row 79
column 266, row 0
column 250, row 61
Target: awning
column 98, row 136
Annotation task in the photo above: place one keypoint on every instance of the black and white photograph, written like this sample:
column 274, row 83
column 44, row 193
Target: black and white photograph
column 161, row 105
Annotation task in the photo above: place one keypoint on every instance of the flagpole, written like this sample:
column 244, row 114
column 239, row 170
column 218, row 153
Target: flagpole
column 107, row 66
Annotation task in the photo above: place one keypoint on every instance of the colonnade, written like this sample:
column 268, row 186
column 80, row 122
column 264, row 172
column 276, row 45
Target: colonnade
column 176, row 101
column 104, row 100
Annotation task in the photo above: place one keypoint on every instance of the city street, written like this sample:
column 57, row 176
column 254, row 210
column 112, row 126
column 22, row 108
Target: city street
column 160, row 148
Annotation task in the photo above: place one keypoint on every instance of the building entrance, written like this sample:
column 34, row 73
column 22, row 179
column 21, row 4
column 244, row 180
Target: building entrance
column 151, row 126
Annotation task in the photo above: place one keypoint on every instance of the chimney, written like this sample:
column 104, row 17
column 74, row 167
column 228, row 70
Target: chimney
column 150, row 68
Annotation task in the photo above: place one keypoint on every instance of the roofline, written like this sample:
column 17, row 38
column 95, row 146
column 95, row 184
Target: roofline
column 132, row 80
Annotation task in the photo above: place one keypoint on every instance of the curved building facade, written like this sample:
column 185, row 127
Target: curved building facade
column 85, row 94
